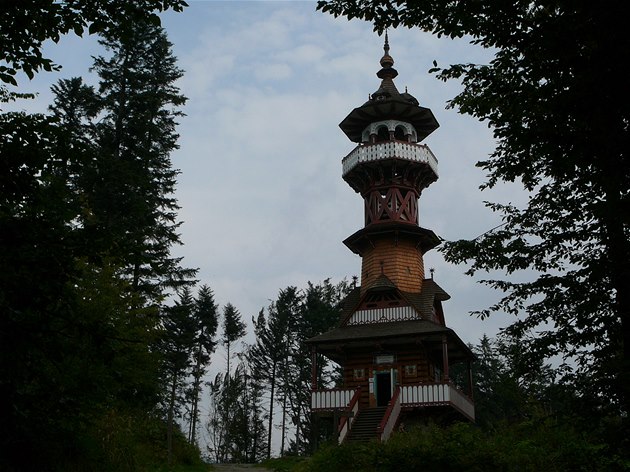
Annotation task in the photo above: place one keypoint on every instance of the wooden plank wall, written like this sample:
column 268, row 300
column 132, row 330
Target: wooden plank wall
column 409, row 356
column 401, row 262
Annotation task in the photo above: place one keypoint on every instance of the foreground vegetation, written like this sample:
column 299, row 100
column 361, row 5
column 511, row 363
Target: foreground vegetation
column 542, row 445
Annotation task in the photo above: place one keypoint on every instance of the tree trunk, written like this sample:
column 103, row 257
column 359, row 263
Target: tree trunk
column 169, row 426
column 271, row 399
column 284, row 422
column 192, row 433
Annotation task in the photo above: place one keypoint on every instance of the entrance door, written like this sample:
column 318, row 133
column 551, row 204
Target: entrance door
column 383, row 388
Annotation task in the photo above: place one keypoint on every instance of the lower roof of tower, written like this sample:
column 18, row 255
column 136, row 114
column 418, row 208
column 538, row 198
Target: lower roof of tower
column 426, row 239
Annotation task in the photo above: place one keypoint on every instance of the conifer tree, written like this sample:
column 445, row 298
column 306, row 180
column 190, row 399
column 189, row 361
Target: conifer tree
column 236, row 429
column 233, row 330
column 179, row 337
column 79, row 335
column 131, row 211
column 319, row 311
column 267, row 354
column 206, row 320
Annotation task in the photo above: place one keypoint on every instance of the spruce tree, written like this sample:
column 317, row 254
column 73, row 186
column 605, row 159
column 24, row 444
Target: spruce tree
column 267, row 354
column 129, row 188
column 206, row 322
column 80, row 364
column 176, row 345
column 233, row 330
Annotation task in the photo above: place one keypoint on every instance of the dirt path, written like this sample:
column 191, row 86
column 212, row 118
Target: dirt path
column 238, row 468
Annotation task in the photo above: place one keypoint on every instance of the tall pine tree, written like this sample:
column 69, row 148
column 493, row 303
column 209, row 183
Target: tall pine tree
column 176, row 345
column 233, row 330
column 206, row 322
column 131, row 212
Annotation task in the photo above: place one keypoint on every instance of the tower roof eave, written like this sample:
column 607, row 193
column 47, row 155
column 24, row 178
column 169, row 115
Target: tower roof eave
column 426, row 239
column 421, row 118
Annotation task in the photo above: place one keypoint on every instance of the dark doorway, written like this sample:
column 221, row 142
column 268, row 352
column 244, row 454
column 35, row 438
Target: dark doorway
column 383, row 388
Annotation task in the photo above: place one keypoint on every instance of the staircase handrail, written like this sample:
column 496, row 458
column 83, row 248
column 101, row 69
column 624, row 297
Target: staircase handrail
column 346, row 422
column 391, row 416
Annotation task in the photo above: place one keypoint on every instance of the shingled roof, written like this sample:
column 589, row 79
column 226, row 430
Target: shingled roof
column 424, row 301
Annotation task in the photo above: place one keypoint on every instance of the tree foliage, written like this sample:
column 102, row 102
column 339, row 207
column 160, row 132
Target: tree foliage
column 80, row 307
column 233, row 330
column 530, row 446
column 178, row 340
column 555, row 97
column 206, row 324
column 27, row 24
column 236, row 425
column 283, row 362
column 129, row 187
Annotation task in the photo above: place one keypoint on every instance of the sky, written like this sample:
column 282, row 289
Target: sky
column 263, row 204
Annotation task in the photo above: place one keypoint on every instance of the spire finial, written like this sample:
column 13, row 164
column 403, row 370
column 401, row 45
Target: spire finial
column 386, row 61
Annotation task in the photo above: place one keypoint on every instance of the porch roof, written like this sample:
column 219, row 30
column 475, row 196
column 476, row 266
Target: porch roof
column 392, row 333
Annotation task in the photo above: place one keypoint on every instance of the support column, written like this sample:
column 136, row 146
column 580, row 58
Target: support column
column 313, row 368
column 445, row 376
column 470, row 381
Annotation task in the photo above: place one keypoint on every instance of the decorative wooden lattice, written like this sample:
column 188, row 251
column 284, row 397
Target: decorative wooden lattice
column 395, row 205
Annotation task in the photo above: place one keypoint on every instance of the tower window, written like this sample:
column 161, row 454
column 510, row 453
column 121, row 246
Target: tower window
column 383, row 134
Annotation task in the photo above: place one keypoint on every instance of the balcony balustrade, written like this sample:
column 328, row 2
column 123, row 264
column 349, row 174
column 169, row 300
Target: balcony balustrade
column 389, row 150
column 437, row 394
column 419, row 395
column 334, row 399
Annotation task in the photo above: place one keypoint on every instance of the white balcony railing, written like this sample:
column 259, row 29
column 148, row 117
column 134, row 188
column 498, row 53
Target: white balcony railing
column 331, row 399
column 437, row 394
column 389, row 150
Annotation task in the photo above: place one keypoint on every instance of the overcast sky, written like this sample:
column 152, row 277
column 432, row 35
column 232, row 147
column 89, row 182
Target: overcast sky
column 263, row 202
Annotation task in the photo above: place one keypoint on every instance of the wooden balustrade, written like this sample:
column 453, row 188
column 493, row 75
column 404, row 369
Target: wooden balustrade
column 437, row 394
column 331, row 399
column 387, row 150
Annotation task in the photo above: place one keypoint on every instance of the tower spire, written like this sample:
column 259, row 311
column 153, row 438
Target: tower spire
column 387, row 62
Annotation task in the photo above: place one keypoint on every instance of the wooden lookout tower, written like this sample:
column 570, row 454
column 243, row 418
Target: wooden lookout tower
column 392, row 341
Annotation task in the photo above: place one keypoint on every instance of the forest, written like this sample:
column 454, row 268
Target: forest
column 108, row 339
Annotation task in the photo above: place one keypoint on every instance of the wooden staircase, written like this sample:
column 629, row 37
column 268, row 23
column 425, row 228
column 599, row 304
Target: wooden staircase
column 365, row 426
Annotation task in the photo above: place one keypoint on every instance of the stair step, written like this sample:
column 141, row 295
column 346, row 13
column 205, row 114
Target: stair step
column 365, row 426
